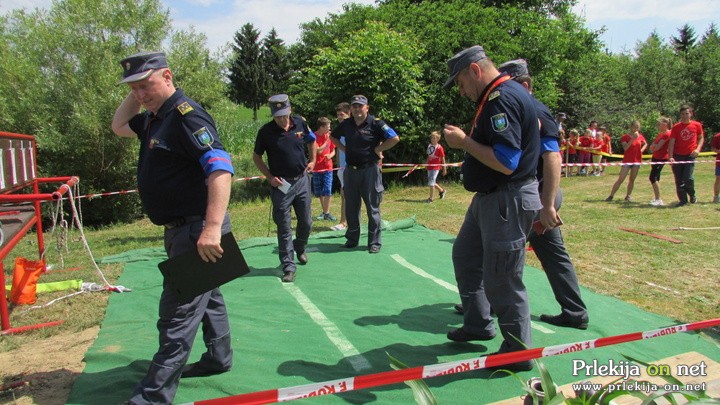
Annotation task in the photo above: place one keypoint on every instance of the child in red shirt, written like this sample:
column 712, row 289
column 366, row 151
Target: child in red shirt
column 435, row 161
column 715, row 147
column 634, row 145
column 659, row 149
column 322, row 177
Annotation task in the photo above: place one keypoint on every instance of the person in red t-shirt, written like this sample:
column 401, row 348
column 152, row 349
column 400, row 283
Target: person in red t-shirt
column 715, row 147
column 436, row 162
column 606, row 148
column 585, row 144
column 686, row 141
column 659, row 149
column 572, row 152
column 322, row 177
column 598, row 143
column 634, row 145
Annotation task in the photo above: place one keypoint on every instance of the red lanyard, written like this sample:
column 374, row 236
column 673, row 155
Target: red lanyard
column 483, row 99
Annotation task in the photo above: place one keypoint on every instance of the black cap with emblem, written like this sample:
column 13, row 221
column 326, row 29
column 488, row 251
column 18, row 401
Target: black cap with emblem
column 279, row 105
column 141, row 65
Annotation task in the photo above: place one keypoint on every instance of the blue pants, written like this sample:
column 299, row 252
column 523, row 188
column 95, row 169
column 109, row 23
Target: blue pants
column 555, row 260
column 298, row 198
column 489, row 257
column 179, row 323
column 365, row 184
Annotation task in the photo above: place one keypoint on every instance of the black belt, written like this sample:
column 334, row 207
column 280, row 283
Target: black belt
column 362, row 165
column 298, row 177
column 182, row 221
column 504, row 186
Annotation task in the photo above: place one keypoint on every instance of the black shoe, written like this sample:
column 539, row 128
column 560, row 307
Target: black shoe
column 302, row 258
column 196, row 370
column 374, row 249
column 288, row 276
column 459, row 309
column 514, row 367
column 681, row 204
column 349, row 245
column 693, row 199
column 459, row 335
column 560, row 320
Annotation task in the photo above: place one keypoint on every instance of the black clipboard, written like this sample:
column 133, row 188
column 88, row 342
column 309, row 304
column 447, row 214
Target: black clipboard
column 190, row 276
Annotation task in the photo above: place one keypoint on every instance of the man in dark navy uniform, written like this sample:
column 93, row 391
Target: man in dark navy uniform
column 184, row 178
column 546, row 240
column 284, row 139
column 501, row 155
column 366, row 138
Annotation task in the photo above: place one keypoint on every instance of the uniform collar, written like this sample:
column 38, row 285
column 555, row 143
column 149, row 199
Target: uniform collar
column 170, row 103
column 368, row 120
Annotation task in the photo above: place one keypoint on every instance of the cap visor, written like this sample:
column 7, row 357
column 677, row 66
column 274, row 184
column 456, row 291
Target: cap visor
column 137, row 76
column 450, row 82
column 283, row 112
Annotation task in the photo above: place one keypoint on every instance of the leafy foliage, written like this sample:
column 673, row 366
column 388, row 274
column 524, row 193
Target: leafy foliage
column 247, row 78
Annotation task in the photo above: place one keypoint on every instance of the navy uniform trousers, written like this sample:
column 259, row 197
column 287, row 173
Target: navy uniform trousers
column 178, row 325
column 365, row 184
column 555, row 260
column 489, row 257
column 684, row 179
column 298, row 198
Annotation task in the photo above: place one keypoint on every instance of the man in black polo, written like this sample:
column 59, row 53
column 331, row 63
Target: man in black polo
column 284, row 139
column 501, row 154
column 366, row 137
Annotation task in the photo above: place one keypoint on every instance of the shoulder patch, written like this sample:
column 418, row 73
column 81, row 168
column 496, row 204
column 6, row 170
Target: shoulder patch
column 202, row 137
column 386, row 127
column 495, row 94
column 184, row 108
column 499, row 122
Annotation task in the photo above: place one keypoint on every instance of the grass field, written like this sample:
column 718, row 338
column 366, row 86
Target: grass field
column 676, row 280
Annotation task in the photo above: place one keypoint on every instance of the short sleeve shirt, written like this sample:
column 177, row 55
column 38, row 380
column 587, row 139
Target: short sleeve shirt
column 361, row 140
column 322, row 162
column 633, row 154
column 686, row 137
column 662, row 152
column 174, row 146
column 435, row 155
column 508, row 118
column 715, row 143
column 285, row 149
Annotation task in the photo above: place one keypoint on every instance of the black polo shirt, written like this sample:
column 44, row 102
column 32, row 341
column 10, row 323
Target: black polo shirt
column 548, row 129
column 173, row 142
column 361, row 140
column 285, row 149
column 509, row 118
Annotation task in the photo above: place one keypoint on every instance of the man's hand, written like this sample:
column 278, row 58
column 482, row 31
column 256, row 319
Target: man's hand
column 454, row 136
column 275, row 181
column 208, row 245
column 549, row 217
column 378, row 153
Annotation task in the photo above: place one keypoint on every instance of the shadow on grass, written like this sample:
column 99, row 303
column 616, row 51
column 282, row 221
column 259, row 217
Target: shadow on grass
column 425, row 318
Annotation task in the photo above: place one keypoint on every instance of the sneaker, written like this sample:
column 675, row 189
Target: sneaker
column 716, row 199
column 429, row 200
column 609, row 198
column 329, row 217
column 659, row 203
column 653, row 202
column 681, row 204
column 596, row 174
column 628, row 198
column 320, row 217
column 442, row 194
column 693, row 199
column 338, row 227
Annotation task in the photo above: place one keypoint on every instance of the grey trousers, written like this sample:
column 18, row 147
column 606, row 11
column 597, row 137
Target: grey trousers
column 489, row 256
column 555, row 260
column 684, row 179
column 365, row 184
column 178, row 324
column 298, row 198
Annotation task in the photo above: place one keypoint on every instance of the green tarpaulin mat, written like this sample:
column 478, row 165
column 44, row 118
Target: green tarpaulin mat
column 344, row 312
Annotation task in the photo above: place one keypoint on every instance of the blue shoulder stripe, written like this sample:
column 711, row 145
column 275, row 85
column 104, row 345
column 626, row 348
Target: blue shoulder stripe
column 507, row 155
column 216, row 159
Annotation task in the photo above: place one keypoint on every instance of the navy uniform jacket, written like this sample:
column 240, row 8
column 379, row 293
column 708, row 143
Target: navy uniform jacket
column 361, row 140
column 508, row 118
column 179, row 148
column 549, row 134
column 285, row 150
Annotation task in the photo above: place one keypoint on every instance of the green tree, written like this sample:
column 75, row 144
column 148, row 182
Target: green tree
column 247, row 76
column 195, row 70
column 653, row 77
column 375, row 61
column 274, row 57
column 705, row 88
column 685, row 40
column 59, row 79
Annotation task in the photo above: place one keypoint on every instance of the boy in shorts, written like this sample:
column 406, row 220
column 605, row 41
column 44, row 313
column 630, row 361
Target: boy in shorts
column 436, row 158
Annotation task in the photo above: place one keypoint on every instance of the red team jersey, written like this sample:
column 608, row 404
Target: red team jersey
column 662, row 153
column 322, row 162
column 435, row 154
column 715, row 143
column 633, row 153
column 686, row 137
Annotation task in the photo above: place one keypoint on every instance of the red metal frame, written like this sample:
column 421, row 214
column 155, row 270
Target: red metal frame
column 8, row 195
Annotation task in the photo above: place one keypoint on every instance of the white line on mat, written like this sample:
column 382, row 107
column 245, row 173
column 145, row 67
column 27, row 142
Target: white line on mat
column 333, row 333
column 422, row 273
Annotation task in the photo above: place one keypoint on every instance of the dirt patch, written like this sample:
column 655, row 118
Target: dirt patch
column 43, row 371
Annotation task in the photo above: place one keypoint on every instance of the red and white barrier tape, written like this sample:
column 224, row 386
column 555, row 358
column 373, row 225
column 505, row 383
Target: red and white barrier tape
column 415, row 166
column 453, row 367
